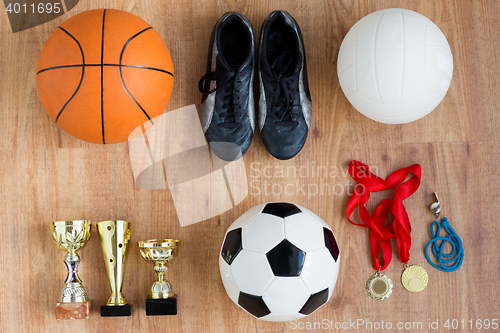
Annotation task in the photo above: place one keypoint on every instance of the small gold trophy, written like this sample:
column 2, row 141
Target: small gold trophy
column 161, row 300
column 115, row 237
column 72, row 236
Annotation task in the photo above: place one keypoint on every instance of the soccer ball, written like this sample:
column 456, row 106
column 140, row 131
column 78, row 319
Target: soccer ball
column 279, row 262
column 395, row 66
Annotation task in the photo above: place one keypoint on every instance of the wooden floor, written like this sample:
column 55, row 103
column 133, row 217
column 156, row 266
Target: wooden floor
column 47, row 175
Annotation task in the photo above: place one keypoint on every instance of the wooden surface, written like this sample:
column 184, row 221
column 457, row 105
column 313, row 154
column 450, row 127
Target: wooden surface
column 47, row 175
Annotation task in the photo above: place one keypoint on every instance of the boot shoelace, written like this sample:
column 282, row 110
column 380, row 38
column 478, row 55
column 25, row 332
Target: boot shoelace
column 226, row 82
column 283, row 102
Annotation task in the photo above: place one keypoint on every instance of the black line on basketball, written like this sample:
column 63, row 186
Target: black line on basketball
column 121, row 74
column 83, row 72
column 102, row 76
column 98, row 65
column 151, row 68
column 57, row 67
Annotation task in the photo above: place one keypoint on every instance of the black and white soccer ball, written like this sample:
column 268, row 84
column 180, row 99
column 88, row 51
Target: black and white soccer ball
column 279, row 261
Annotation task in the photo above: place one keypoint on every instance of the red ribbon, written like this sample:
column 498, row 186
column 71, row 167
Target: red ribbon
column 400, row 227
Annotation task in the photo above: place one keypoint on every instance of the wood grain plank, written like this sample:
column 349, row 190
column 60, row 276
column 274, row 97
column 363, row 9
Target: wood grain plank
column 482, row 230
column 482, row 77
column 48, row 175
column 12, row 299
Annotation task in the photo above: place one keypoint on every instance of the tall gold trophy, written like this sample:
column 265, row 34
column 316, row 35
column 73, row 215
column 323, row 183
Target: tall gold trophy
column 115, row 237
column 161, row 300
column 72, row 236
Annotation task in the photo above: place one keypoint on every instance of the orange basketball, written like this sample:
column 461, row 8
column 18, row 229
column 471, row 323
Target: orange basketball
column 103, row 73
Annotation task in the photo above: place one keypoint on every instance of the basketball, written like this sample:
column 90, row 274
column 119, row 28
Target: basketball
column 395, row 66
column 103, row 73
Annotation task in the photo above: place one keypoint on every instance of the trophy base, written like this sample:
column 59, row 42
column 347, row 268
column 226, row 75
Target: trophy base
column 78, row 310
column 161, row 306
column 116, row 310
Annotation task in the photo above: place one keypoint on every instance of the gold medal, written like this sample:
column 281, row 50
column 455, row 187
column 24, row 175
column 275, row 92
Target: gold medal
column 379, row 286
column 414, row 278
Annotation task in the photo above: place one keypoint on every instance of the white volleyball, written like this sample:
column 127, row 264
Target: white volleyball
column 395, row 66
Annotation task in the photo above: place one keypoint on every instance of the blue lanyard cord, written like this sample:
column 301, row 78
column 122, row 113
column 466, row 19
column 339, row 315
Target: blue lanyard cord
column 456, row 255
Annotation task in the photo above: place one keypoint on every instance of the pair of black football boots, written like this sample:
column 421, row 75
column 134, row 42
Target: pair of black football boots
column 228, row 108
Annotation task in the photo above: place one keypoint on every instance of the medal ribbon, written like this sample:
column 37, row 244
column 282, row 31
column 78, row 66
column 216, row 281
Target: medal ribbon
column 400, row 227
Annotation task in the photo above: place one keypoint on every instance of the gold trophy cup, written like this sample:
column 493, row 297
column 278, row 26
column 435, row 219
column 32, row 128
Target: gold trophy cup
column 161, row 300
column 115, row 237
column 71, row 236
